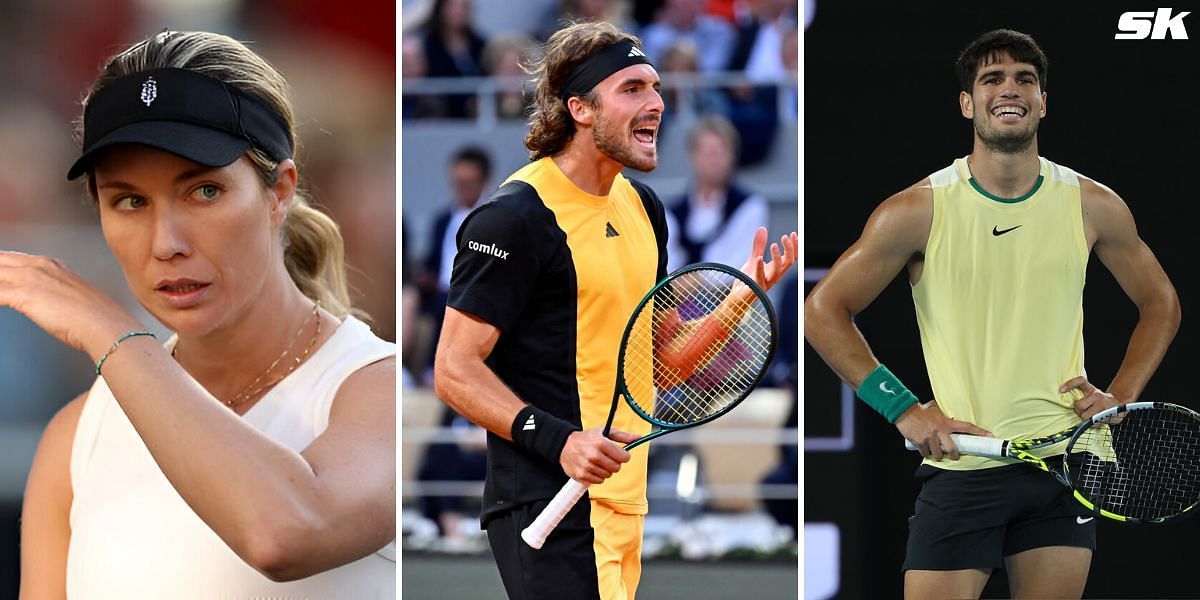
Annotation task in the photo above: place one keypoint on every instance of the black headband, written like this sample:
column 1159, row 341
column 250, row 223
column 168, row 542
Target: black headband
column 182, row 112
column 599, row 66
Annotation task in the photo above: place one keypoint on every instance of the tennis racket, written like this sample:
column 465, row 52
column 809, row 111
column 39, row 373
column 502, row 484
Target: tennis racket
column 1137, row 463
column 694, row 348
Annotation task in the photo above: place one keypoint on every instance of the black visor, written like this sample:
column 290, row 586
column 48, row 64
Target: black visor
column 182, row 112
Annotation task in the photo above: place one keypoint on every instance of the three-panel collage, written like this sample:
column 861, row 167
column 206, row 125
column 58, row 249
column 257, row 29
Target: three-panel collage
column 542, row 299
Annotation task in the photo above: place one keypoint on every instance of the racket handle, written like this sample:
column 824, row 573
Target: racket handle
column 535, row 535
column 974, row 445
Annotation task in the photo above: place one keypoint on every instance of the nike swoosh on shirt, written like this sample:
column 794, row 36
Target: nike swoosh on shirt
column 1082, row 520
column 999, row 232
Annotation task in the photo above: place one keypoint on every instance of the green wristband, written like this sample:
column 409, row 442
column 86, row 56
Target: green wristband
column 884, row 393
column 113, row 347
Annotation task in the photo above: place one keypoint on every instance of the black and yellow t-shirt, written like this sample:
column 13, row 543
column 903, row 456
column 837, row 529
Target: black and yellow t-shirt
column 559, row 271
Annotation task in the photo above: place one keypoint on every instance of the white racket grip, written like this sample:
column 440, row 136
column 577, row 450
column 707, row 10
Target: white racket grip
column 974, row 445
column 535, row 535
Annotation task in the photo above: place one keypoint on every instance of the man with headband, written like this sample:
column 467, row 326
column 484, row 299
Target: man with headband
column 546, row 276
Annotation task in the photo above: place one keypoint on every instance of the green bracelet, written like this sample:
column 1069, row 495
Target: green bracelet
column 883, row 392
column 113, row 347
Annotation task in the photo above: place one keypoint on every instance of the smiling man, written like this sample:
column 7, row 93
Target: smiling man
column 996, row 248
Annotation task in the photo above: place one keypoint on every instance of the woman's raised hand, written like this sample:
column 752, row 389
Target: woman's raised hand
column 51, row 295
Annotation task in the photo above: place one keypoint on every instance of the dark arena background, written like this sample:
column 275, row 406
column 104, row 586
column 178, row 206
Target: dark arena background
column 881, row 112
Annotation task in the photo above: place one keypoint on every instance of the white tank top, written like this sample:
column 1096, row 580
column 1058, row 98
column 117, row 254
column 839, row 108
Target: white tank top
column 133, row 536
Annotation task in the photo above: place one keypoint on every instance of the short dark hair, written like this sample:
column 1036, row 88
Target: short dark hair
column 990, row 47
column 475, row 155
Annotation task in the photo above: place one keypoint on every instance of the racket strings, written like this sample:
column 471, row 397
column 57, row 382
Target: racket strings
column 696, row 348
column 1145, row 467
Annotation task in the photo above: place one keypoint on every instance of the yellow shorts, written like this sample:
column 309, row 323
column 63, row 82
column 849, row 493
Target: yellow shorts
column 618, row 547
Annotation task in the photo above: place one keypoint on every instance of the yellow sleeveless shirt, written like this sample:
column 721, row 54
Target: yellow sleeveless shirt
column 1000, row 305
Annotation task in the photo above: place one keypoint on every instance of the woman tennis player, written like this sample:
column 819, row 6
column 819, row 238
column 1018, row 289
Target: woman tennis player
column 252, row 454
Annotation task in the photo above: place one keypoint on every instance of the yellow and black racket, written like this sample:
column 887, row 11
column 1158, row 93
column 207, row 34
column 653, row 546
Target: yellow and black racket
column 1137, row 463
column 695, row 347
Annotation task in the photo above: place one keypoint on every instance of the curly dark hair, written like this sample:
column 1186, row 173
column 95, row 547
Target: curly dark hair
column 550, row 123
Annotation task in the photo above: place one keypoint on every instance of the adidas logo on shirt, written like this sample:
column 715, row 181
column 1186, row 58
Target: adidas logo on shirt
column 610, row 231
column 529, row 424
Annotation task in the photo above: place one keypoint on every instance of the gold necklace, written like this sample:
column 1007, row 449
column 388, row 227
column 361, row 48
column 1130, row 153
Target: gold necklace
column 251, row 391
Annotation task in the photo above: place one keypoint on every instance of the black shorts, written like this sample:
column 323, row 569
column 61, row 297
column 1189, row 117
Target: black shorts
column 973, row 519
column 563, row 569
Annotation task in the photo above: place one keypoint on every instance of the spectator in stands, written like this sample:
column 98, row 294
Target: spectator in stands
column 413, row 66
column 503, row 57
column 681, row 61
column 758, row 52
column 645, row 11
column 791, row 58
column 454, row 49
column 712, row 219
column 754, row 106
column 728, row 10
column 470, row 169
column 685, row 19
column 611, row 11
column 465, row 460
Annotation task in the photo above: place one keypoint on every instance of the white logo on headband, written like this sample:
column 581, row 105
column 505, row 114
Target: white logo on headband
column 149, row 91
column 634, row 51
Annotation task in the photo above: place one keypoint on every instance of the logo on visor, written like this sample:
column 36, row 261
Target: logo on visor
column 635, row 51
column 149, row 91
